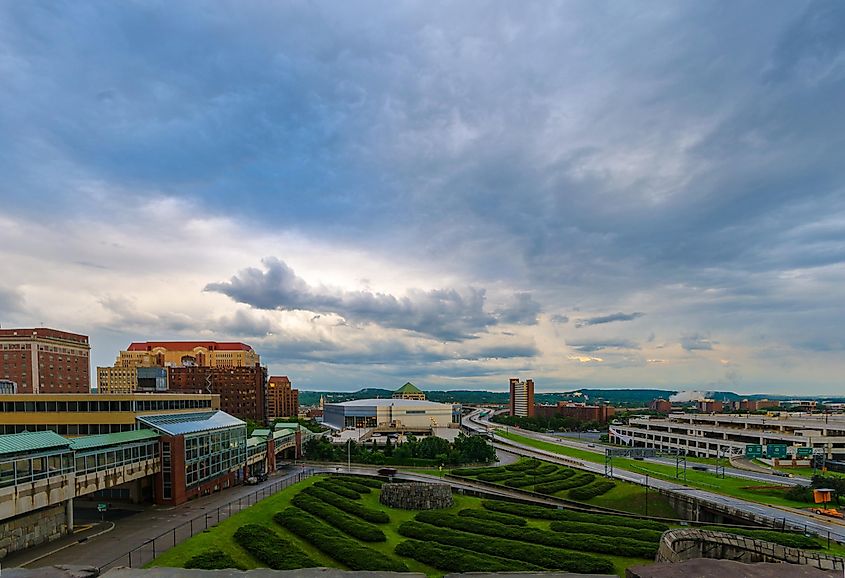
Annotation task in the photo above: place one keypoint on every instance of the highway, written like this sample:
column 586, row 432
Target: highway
column 775, row 515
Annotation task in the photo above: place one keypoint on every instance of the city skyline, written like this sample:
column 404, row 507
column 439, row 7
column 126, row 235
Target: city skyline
column 586, row 194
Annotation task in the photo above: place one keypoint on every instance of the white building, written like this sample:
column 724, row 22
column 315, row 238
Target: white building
column 405, row 414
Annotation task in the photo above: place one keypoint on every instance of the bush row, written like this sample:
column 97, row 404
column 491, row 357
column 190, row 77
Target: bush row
column 579, row 479
column 544, row 513
column 790, row 539
column 452, row 559
column 544, row 470
column 590, row 491
column 529, row 480
column 212, row 560
column 506, row 519
column 354, row 486
column 338, row 489
column 354, row 508
column 543, row 556
column 497, row 476
column 523, row 465
column 337, row 518
column 267, row 546
column 583, row 542
column 640, row 534
column 335, row 543
column 363, row 480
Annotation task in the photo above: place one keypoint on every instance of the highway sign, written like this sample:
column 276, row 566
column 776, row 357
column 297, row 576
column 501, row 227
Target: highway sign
column 753, row 451
column 102, row 507
column 776, row 451
column 804, row 452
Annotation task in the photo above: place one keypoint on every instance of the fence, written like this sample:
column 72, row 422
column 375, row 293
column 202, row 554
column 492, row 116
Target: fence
column 141, row 555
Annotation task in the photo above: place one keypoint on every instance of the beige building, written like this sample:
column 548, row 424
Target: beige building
column 187, row 353
column 117, row 379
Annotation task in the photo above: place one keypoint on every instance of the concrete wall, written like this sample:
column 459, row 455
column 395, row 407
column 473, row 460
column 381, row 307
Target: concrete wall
column 29, row 530
column 30, row 496
column 686, row 544
column 89, row 483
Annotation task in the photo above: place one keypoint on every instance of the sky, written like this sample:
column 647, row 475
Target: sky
column 586, row 193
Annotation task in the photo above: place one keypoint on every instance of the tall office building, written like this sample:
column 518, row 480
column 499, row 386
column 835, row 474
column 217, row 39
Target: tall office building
column 242, row 390
column 187, row 353
column 45, row 361
column 282, row 399
column 522, row 397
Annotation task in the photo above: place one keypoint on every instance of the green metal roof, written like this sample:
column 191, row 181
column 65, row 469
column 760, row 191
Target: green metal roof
column 260, row 433
column 286, row 425
column 124, row 437
column 408, row 388
column 279, row 433
column 252, row 442
column 31, row 442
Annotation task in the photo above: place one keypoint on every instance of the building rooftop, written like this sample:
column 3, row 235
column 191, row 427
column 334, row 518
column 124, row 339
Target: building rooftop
column 32, row 442
column 408, row 388
column 103, row 440
column 260, row 433
column 385, row 402
column 189, row 345
column 185, row 423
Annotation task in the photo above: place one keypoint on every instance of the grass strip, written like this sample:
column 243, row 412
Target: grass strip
column 354, row 486
column 506, row 519
column 267, row 546
column 354, row 508
column 453, row 559
column 544, row 556
column 582, row 542
column 335, row 543
column 544, row 513
column 603, row 530
column 339, row 519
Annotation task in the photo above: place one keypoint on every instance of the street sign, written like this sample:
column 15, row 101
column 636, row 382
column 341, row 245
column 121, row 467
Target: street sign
column 754, row 451
column 776, row 451
column 102, row 507
column 804, row 452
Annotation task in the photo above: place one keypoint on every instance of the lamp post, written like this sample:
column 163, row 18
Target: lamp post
column 349, row 455
column 646, row 494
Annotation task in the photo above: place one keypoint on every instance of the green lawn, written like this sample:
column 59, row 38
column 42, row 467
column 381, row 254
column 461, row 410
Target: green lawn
column 736, row 487
column 221, row 535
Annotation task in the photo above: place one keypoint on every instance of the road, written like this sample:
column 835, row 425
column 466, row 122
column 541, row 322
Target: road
column 791, row 517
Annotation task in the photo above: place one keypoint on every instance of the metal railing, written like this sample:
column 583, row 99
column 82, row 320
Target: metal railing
column 141, row 555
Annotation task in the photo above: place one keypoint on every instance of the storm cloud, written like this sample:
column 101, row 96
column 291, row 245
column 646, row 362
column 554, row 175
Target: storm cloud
column 602, row 319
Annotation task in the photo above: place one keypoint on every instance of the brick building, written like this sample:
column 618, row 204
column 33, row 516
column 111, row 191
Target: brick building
column 577, row 411
column 45, row 360
column 660, row 405
column 282, row 399
column 242, row 390
column 521, row 397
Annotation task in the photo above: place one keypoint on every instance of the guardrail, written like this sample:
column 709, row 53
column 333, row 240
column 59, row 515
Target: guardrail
column 142, row 555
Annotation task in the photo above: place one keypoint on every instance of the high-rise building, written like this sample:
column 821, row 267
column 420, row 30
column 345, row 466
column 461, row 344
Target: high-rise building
column 187, row 353
column 522, row 397
column 282, row 399
column 242, row 390
column 45, row 360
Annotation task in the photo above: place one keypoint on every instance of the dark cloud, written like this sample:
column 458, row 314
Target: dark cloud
column 522, row 311
column 697, row 342
column 589, row 346
column 446, row 314
column 601, row 320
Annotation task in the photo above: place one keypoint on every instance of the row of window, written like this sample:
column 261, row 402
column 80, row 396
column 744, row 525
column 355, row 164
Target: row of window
column 210, row 454
column 83, row 429
column 104, row 406
column 32, row 468
column 112, row 458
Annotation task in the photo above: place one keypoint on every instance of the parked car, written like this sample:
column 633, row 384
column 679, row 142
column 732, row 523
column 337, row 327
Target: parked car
column 251, row 481
column 389, row 472
column 263, row 476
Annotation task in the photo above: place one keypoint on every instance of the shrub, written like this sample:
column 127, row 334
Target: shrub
column 543, row 470
column 543, row 556
column 790, row 539
column 335, row 543
column 518, row 482
column 474, row 471
column 580, row 479
column 544, row 513
column 338, row 489
column 267, row 546
column 363, row 480
column 590, row 491
column 529, row 479
column 212, row 560
column 452, row 559
column 338, row 518
column 583, row 542
column 523, row 465
column 800, row 493
column 354, row 486
column 604, row 530
column 354, row 508
column 496, row 476
column 506, row 519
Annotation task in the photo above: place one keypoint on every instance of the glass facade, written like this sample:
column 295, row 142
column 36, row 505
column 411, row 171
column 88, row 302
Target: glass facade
column 213, row 453
column 105, row 458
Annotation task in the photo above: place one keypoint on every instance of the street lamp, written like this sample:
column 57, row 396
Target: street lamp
column 349, row 455
column 646, row 494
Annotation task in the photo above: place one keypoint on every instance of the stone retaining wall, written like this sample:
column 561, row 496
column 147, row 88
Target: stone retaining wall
column 416, row 496
column 44, row 525
column 686, row 544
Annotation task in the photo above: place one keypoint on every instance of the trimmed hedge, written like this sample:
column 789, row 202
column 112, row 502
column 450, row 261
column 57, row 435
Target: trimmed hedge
column 475, row 471
column 338, row 518
column 354, row 508
column 524, row 465
column 580, row 479
column 363, row 480
column 583, row 542
column 590, row 491
column 529, row 480
column 543, row 556
column 267, row 546
column 603, row 530
column 496, row 476
column 354, row 486
column 790, row 539
column 518, row 482
column 212, row 560
column 543, row 470
column 543, row 513
column 506, row 519
column 452, row 559
column 338, row 489
column 335, row 543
